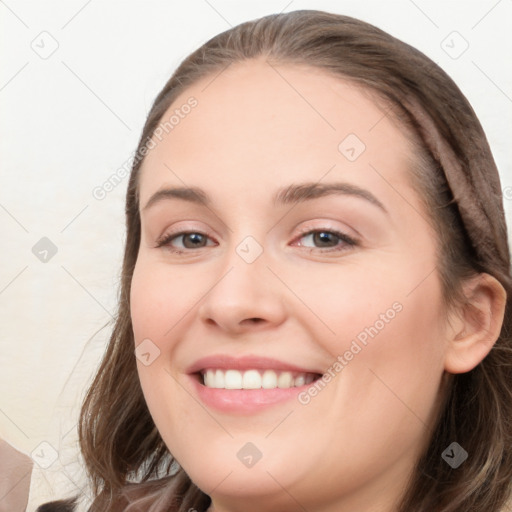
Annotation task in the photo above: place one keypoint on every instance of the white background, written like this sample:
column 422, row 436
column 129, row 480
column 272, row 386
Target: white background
column 72, row 119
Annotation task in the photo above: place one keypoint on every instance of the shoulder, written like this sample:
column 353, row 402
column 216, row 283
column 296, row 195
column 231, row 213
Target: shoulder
column 15, row 474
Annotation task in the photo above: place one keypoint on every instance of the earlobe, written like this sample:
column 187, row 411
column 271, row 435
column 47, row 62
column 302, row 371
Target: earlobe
column 478, row 324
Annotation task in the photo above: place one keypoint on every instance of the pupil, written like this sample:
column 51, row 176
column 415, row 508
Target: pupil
column 195, row 239
column 323, row 237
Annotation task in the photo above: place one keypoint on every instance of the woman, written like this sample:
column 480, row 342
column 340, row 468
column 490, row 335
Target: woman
column 316, row 285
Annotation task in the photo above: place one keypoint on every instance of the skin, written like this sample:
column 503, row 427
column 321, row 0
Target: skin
column 354, row 445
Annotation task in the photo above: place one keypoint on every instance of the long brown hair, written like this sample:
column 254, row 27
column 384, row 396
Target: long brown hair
column 129, row 465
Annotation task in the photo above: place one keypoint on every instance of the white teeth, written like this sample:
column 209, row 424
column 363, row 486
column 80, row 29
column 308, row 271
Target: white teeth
column 255, row 379
column 285, row 380
column 233, row 379
column 300, row 381
column 219, row 379
column 209, row 378
column 269, row 379
column 251, row 380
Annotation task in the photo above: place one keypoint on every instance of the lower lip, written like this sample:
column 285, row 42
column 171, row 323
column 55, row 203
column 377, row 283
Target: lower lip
column 244, row 400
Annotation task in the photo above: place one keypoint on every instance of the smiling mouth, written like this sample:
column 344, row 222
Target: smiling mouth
column 216, row 378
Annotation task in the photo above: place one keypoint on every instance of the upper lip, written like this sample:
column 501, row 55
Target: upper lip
column 250, row 362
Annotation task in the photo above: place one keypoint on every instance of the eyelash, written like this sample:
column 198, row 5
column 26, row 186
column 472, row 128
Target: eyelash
column 347, row 240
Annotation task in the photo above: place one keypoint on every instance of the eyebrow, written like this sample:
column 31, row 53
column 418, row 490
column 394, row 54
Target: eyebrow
column 298, row 193
column 191, row 194
column 292, row 194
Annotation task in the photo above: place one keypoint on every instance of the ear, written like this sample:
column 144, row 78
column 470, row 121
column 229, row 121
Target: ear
column 476, row 324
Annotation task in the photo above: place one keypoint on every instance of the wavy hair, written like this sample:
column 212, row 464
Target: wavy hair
column 128, row 463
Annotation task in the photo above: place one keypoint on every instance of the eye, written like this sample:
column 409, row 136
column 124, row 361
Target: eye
column 183, row 240
column 327, row 239
column 316, row 239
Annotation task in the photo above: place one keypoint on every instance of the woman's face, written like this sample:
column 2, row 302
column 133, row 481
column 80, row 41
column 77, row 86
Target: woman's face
column 307, row 253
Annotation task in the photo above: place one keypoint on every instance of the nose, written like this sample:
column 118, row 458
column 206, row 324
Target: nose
column 244, row 297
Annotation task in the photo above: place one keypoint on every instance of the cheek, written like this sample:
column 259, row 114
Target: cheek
column 385, row 337
column 367, row 302
column 159, row 300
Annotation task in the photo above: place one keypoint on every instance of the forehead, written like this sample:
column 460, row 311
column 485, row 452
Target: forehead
column 258, row 125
